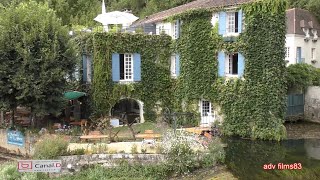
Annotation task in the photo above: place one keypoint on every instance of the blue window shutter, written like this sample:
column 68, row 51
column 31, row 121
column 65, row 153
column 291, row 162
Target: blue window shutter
column 84, row 67
column 177, row 64
column 136, row 67
column 240, row 65
column 240, row 21
column 221, row 65
column 115, row 67
column 222, row 22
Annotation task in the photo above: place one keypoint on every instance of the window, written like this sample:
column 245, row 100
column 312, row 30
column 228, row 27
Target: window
column 298, row 55
column 232, row 64
column 89, row 69
column 161, row 29
column 175, row 30
column 232, row 22
column 206, row 108
column 287, row 52
column 173, row 66
column 208, row 114
column 313, row 53
column 126, row 67
column 315, row 34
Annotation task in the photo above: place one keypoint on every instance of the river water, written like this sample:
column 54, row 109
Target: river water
column 247, row 159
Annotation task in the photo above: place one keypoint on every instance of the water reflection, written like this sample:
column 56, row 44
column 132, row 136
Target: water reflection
column 246, row 158
column 312, row 147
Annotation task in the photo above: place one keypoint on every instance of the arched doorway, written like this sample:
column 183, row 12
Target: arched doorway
column 131, row 107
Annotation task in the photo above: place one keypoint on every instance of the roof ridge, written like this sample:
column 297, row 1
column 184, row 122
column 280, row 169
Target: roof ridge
column 197, row 4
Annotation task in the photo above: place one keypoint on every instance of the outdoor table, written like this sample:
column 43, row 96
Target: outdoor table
column 148, row 137
column 94, row 135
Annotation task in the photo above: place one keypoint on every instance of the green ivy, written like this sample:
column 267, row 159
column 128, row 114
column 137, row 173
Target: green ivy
column 253, row 106
column 155, row 70
column 302, row 75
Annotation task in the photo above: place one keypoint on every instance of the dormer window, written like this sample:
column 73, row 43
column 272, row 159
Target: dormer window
column 306, row 32
column 315, row 34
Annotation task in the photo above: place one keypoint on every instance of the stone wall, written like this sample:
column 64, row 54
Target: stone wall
column 25, row 150
column 77, row 162
column 312, row 104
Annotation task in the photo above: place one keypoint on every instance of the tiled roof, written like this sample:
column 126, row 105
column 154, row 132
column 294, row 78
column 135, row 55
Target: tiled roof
column 198, row 4
column 299, row 18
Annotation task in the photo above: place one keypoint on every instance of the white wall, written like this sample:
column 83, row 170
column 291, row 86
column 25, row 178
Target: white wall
column 169, row 26
column 215, row 19
column 293, row 41
column 312, row 104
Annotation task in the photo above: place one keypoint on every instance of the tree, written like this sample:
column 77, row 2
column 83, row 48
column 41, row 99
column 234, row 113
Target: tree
column 36, row 55
column 310, row 5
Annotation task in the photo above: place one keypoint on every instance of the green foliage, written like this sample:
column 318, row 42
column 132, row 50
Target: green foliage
column 77, row 152
column 181, row 158
column 9, row 171
column 82, row 12
column 310, row 5
column 124, row 171
column 36, row 54
column 302, row 75
column 156, row 81
column 50, row 147
column 254, row 107
column 215, row 155
column 198, row 63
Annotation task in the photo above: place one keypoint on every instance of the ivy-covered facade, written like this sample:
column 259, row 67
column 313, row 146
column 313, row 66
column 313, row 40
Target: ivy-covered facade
column 219, row 62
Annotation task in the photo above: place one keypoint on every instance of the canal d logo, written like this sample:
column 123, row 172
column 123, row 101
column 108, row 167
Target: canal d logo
column 39, row 165
column 25, row 165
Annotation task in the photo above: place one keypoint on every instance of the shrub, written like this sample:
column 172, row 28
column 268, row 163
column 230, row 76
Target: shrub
column 77, row 152
column 215, row 155
column 50, row 147
column 181, row 158
column 302, row 75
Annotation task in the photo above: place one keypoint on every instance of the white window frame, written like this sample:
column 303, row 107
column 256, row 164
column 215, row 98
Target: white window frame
column 89, row 69
column 173, row 65
column 231, row 24
column 161, row 29
column 128, row 67
column 228, row 65
column 206, row 113
column 175, row 30
column 287, row 56
column 313, row 53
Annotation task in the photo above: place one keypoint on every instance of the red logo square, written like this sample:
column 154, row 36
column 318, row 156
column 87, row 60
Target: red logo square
column 25, row 165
